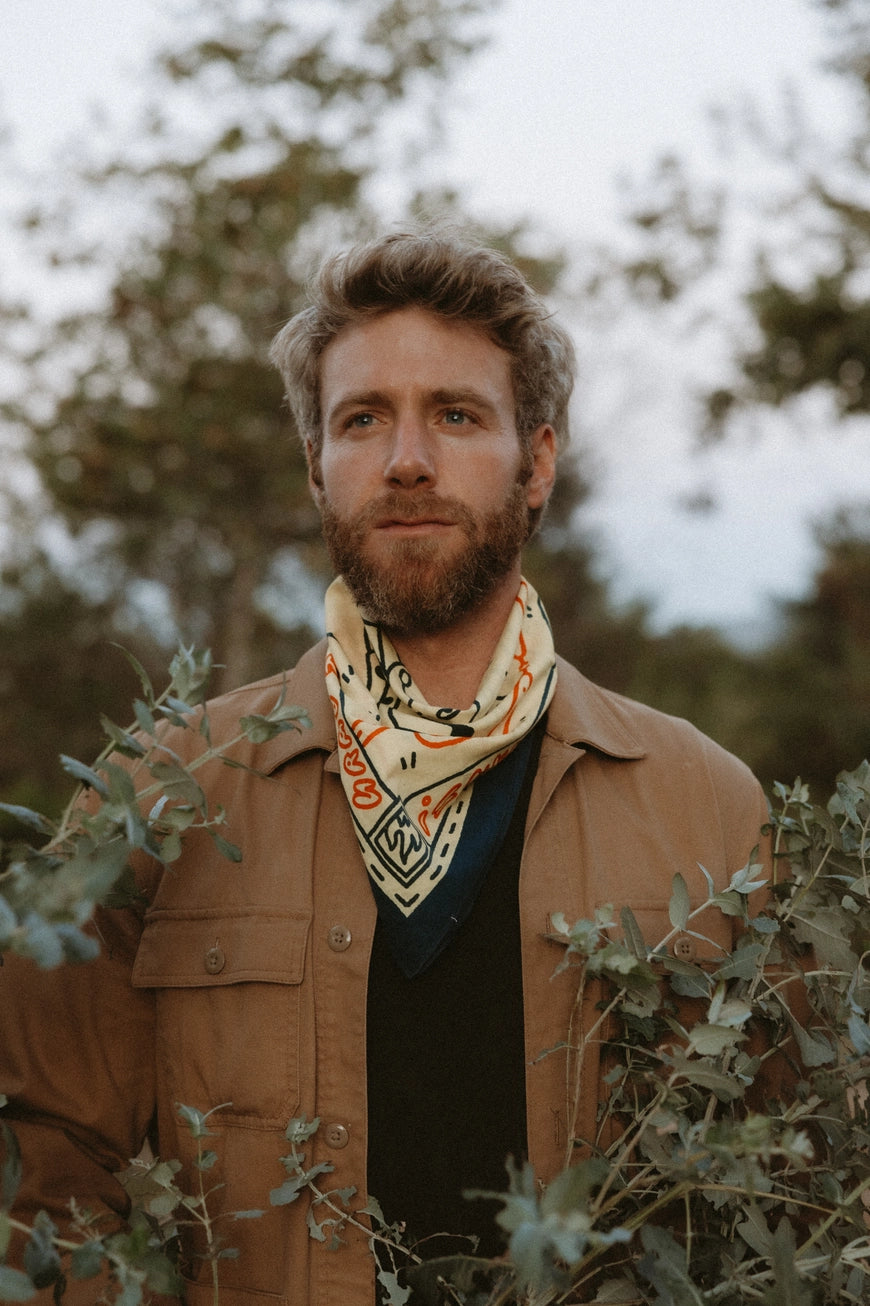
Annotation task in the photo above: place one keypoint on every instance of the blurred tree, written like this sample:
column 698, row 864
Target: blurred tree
column 792, row 227
column 606, row 643
column 807, row 318
column 155, row 416
column 813, row 320
column 813, row 685
column 58, row 673
column 801, row 704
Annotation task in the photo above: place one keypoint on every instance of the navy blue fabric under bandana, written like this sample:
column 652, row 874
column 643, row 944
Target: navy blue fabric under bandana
column 416, row 940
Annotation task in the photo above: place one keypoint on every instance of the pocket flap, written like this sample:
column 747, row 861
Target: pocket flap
column 195, row 949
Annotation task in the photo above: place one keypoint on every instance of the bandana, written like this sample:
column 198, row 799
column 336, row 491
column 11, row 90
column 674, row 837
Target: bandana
column 431, row 789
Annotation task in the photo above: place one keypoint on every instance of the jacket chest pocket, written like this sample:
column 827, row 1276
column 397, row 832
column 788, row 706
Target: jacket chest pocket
column 228, row 997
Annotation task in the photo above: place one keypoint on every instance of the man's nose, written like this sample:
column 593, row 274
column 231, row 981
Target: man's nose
column 410, row 461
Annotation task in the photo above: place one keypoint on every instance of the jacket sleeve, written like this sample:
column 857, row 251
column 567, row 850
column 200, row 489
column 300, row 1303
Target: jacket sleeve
column 77, row 1065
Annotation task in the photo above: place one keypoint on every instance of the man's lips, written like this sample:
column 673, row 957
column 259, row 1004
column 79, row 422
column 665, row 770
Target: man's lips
column 413, row 523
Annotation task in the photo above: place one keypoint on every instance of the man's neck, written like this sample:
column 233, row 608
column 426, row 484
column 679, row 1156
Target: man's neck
column 448, row 666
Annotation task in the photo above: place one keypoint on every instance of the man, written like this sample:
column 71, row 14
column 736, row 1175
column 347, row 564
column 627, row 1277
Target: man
column 384, row 958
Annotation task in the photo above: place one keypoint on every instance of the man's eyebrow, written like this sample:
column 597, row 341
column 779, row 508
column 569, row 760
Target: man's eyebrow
column 463, row 396
column 378, row 398
column 359, row 399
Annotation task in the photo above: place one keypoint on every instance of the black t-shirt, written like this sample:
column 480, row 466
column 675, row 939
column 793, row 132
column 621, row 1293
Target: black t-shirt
column 446, row 1067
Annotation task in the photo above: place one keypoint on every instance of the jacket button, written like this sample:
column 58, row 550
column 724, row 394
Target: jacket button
column 338, row 938
column 685, row 948
column 336, row 1136
column 215, row 960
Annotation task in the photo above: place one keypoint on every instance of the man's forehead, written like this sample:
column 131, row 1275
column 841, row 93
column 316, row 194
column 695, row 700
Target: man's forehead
column 413, row 341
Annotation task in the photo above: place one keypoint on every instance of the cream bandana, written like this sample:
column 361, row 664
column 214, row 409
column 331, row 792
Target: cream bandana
column 409, row 768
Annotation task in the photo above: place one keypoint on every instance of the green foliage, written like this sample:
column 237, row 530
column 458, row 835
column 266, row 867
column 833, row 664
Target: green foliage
column 48, row 891
column 718, row 1175
column 139, row 1261
column 731, row 1162
column 731, row 1159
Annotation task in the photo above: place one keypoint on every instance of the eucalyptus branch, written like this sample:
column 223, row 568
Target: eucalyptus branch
column 139, row 796
column 855, row 1195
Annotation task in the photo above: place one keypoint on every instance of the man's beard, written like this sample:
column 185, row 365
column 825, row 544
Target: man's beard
column 415, row 589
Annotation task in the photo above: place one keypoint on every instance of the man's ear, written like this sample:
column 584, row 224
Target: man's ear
column 543, row 475
column 315, row 479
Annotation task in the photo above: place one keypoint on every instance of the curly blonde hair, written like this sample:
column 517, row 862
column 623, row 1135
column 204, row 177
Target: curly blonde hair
column 448, row 275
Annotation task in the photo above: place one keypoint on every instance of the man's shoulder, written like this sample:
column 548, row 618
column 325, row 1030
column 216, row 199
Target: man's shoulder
column 587, row 714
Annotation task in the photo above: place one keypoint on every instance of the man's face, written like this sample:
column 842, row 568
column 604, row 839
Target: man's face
column 421, row 483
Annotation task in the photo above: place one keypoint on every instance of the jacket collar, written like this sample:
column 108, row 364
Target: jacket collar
column 305, row 685
column 581, row 714
column 585, row 715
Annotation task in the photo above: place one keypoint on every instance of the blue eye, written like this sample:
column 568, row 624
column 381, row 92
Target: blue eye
column 455, row 417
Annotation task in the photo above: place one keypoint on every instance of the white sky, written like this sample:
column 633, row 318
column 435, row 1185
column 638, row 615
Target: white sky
column 571, row 95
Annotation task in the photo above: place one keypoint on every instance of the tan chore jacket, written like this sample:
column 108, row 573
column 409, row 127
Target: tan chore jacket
column 246, row 984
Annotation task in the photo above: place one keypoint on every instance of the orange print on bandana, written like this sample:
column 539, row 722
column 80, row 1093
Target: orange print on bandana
column 366, row 795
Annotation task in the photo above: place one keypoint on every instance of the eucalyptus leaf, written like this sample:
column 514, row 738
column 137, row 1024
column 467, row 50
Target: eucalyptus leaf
column 711, row 888
column 15, row 1285
column 195, row 1120
column 664, row 1265
column 633, row 937
column 78, row 947
column 572, row 1189
column 41, row 1257
column 314, row 1229
column 144, row 678
column 730, row 903
column 8, row 921
column 815, row 1047
column 85, row 774
column 125, row 743
column 790, row 1289
column 679, row 906
column 825, row 928
column 40, row 941
column 688, row 981
column 702, row 1073
column 130, row 1294
column 712, row 1040
column 34, row 820
column 225, row 847
column 10, row 1167
column 144, row 718
column 190, row 671
column 87, row 1261
column 300, row 1129
column 178, row 784
column 122, row 791
column 393, row 1294
column 859, row 1033
column 288, row 1191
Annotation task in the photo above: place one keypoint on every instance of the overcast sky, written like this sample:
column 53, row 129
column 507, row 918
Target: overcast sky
column 571, row 95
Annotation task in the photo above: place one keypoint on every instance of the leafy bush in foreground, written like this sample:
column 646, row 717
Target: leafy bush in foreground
column 714, row 1178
